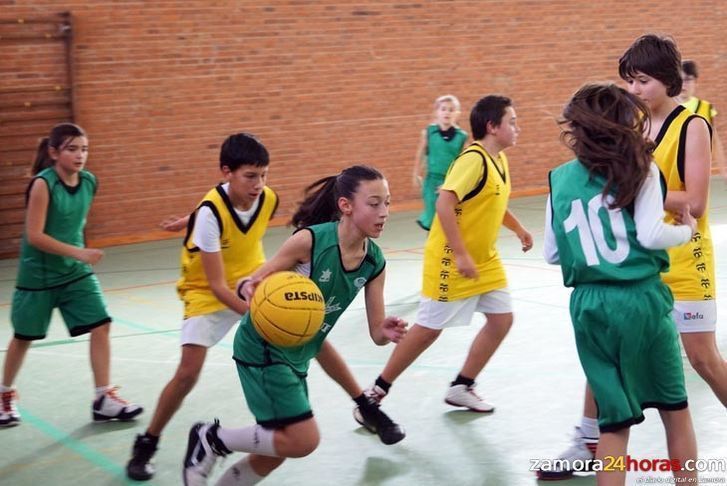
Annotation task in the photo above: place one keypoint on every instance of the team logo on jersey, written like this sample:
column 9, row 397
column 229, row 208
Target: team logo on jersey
column 332, row 305
column 359, row 282
column 689, row 316
column 325, row 275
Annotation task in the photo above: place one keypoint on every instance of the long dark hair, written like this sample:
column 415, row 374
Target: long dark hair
column 604, row 125
column 58, row 139
column 321, row 198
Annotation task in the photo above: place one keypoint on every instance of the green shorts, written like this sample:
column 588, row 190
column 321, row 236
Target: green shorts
column 276, row 395
column 81, row 303
column 629, row 348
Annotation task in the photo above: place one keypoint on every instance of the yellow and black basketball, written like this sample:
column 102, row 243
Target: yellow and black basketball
column 287, row 309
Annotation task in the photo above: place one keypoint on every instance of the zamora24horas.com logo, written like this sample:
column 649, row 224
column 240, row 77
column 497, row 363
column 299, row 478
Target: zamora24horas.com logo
column 630, row 464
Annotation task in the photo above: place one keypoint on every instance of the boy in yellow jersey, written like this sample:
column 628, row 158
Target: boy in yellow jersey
column 223, row 244
column 462, row 271
column 652, row 69
column 703, row 108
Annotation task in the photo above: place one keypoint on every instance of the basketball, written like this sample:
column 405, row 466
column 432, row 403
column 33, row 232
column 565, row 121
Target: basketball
column 287, row 309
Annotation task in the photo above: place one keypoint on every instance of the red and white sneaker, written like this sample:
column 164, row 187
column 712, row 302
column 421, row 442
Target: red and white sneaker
column 9, row 415
column 465, row 396
column 110, row 406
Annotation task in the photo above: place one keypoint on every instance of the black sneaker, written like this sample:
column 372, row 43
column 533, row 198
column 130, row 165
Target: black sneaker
column 203, row 449
column 139, row 466
column 373, row 419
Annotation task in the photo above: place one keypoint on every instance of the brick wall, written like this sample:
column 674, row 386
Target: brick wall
column 158, row 85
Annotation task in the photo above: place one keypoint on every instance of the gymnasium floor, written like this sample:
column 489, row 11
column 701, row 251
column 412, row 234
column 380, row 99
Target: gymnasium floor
column 535, row 381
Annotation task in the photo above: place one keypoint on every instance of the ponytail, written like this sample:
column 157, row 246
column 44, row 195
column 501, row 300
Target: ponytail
column 58, row 138
column 42, row 158
column 321, row 198
column 319, row 205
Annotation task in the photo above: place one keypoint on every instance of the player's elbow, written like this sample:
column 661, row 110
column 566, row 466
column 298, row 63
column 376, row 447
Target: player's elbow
column 697, row 210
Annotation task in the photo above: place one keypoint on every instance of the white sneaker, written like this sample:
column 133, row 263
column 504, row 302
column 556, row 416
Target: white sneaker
column 582, row 449
column 110, row 406
column 465, row 396
column 375, row 392
column 202, row 453
column 9, row 415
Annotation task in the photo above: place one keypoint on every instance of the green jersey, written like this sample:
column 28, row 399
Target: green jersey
column 65, row 220
column 596, row 244
column 338, row 286
column 443, row 147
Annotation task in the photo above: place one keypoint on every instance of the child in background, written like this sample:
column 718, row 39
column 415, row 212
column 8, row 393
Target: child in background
column 55, row 271
column 441, row 142
column 604, row 225
column 703, row 108
column 463, row 273
column 334, row 247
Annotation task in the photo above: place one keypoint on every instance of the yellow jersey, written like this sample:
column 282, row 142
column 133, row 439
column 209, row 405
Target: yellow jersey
column 691, row 272
column 241, row 249
column 482, row 185
column 702, row 108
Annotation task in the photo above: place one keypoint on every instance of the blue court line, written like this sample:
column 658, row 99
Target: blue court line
column 92, row 456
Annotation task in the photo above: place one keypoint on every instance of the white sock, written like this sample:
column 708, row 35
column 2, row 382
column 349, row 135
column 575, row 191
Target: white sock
column 589, row 428
column 4, row 388
column 254, row 438
column 240, row 474
column 100, row 390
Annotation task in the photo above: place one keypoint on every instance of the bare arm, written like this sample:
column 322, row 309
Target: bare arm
column 381, row 328
column 718, row 155
column 651, row 230
column 421, row 151
column 446, row 203
column 696, row 172
column 35, row 218
column 513, row 224
column 295, row 250
column 215, row 272
column 174, row 223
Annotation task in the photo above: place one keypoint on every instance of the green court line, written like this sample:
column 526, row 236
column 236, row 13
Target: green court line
column 149, row 330
column 87, row 453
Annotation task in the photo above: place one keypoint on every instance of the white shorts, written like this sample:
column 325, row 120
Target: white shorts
column 695, row 315
column 208, row 329
column 438, row 315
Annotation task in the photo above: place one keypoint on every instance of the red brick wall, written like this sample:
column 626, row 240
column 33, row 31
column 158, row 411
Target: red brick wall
column 329, row 83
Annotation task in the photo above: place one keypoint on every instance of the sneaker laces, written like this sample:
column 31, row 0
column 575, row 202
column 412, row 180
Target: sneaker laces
column 111, row 392
column 216, row 444
column 471, row 391
column 7, row 398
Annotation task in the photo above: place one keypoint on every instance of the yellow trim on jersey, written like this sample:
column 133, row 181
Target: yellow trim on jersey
column 702, row 108
column 241, row 250
column 482, row 185
column 691, row 272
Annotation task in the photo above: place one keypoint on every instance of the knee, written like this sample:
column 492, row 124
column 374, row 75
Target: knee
column 428, row 336
column 307, row 446
column 186, row 376
column 299, row 446
column 703, row 363
column 500, row 324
